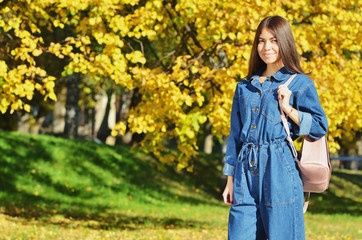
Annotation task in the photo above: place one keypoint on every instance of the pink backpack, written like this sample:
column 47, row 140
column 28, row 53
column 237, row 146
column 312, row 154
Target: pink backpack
column 314, row 164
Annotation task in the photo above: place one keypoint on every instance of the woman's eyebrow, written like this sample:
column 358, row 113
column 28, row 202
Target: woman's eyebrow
column 269, row 38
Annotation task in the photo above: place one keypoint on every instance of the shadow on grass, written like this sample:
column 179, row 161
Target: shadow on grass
column 74, row 173
column 351, row 177
column 207, row 175
column 123, row 222
column 31, row 161
column 100, row 219
column 348, row 201
column 17, row 156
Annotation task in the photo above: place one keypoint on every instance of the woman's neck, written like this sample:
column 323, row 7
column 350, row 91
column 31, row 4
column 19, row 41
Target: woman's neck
column 271, row 69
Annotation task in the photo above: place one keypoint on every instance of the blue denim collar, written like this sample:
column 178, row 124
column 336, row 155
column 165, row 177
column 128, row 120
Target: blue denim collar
column 283, row 74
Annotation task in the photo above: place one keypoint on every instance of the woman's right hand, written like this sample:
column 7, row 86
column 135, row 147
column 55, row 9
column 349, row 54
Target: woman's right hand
column 228, row 192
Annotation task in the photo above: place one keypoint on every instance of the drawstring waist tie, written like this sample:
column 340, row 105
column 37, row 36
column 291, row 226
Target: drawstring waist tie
column 252, row 158
column 251, row 150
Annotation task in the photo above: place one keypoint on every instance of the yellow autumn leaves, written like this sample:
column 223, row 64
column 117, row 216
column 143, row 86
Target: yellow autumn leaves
column 181, row 57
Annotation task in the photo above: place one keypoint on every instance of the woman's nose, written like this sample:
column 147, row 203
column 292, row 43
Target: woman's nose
column 267, row 45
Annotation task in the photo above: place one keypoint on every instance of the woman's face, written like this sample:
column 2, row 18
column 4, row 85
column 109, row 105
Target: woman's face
column 268, row 48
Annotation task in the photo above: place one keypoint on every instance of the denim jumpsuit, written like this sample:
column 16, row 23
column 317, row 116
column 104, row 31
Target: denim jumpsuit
column 268, row 192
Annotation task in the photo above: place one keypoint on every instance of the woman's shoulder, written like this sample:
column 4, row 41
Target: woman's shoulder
column 302, row 81
column 284, row 74
column 242, row 86
column 302, row 78
column 243, row 82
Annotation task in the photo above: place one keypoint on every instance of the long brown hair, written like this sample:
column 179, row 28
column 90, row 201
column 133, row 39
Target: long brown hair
column 288, row 52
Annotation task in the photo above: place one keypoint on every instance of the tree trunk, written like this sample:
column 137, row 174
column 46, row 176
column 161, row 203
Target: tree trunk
column 104, row 130
column 135, row 100
column 208, row 141
column 72, row 108
column 93, row 124
column 119, row 113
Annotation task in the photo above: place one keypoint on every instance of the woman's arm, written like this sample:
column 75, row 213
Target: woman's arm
column 234, row 144
column 308, row 113
column 233, row 148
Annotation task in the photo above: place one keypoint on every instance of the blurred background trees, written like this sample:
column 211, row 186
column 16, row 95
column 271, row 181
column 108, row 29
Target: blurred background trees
column 170, row 66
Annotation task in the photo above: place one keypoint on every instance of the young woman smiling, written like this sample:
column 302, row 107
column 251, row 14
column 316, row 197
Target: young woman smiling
column 263, row 186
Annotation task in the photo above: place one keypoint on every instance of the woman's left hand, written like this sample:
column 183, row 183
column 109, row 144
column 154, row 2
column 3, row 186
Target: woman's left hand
column 284, row 96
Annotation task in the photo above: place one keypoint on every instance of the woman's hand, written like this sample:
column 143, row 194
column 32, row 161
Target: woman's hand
column 284, row 97
column 228, row 192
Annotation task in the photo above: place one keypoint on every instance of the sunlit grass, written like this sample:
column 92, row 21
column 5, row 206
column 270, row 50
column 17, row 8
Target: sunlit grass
column 54, row 188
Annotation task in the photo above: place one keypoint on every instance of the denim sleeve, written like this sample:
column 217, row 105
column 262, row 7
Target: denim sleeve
column 233, row 145
column 313, row 120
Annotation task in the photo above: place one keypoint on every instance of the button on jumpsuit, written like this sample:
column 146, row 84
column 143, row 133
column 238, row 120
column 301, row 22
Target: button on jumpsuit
column 268, row 192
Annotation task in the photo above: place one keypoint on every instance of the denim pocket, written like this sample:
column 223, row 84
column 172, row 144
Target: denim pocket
column 270, row 108
column 278, row 180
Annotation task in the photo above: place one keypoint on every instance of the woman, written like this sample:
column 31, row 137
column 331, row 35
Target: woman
column 263, row 184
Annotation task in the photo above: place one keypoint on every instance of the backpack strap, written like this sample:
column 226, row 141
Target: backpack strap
column 289, row 139
column 306, row 202
column 285, row 121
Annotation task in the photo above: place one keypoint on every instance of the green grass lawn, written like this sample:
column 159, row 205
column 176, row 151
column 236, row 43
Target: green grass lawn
column 54, row 188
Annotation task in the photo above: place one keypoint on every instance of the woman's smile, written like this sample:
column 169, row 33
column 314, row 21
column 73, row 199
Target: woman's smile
column 269, row 54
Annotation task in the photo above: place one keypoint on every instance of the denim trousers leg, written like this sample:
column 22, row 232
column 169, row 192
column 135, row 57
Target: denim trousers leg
column 282, row 199
column 245, row 222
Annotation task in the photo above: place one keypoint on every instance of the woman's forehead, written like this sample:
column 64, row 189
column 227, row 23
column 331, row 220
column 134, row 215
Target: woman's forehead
column 266, row 33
